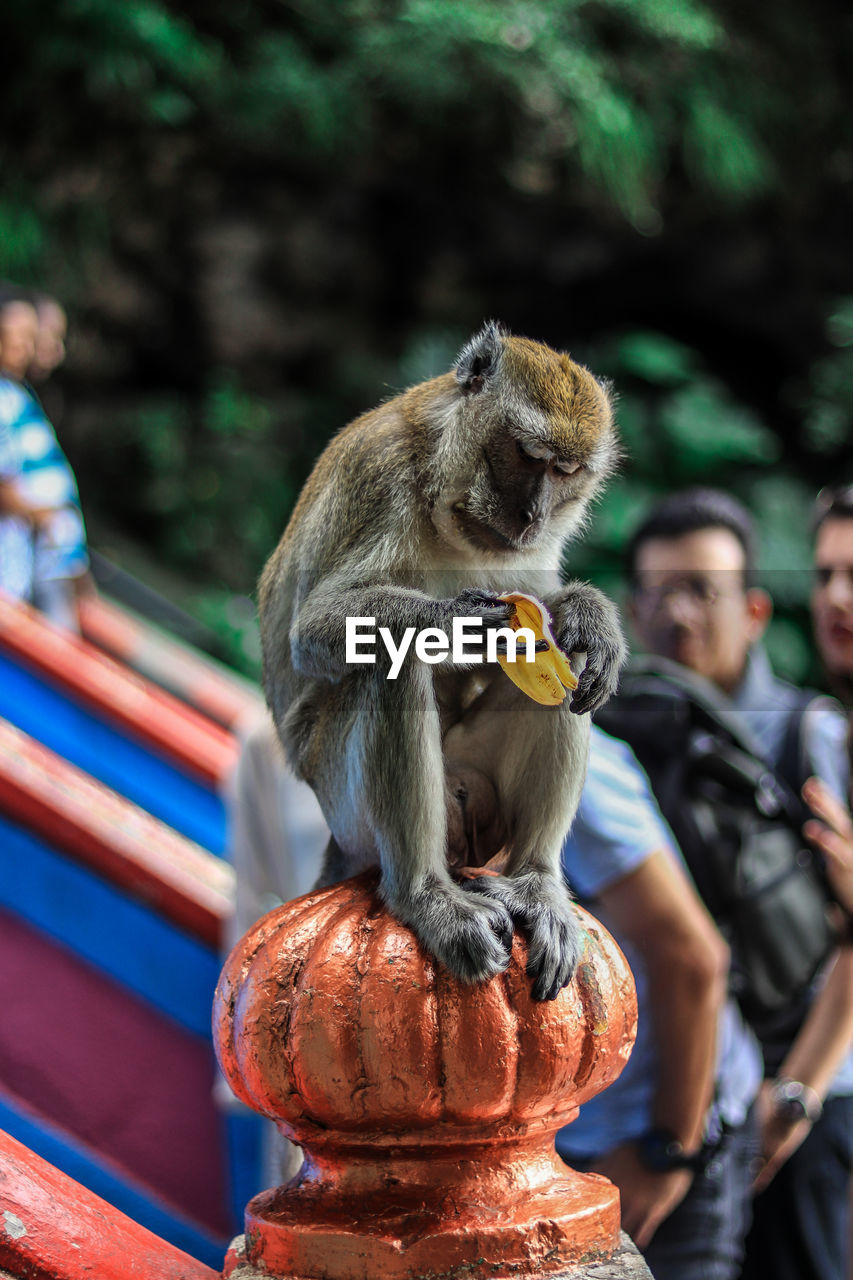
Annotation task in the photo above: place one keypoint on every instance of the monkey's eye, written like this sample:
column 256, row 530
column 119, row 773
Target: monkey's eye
column 532, row 450
column 567, row 468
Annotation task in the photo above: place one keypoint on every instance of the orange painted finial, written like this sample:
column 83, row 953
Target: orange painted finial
column 426, row 1109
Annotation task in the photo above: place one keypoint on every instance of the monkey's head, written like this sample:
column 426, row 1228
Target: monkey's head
column 529, row 442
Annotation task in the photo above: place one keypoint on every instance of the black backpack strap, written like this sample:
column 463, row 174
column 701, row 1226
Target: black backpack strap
column 737, row 821
column 794, row 763
column 654, row 675
column 704, row 706
column 793, row 757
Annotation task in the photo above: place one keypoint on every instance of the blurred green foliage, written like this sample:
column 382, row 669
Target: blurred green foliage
column 615, row 92
column 828, row 403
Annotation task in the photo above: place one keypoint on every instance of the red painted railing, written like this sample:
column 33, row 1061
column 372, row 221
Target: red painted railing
column 226, row 698
column 63, row 805
column 52, row 1228
column 150, row 714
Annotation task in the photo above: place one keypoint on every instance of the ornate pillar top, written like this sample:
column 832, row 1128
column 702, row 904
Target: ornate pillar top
column 426, row 1108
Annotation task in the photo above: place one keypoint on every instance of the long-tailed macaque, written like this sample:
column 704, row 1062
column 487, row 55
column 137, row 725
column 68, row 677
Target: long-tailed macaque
column 427, row 508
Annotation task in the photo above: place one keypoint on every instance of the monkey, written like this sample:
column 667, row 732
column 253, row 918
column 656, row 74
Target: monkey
column 433, row 505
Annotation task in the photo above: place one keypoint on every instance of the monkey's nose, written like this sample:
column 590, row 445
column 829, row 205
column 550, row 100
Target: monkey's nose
column 529, row 524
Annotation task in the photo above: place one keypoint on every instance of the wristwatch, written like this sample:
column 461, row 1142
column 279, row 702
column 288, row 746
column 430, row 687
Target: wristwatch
column 661, row 1152
column 795, row 1101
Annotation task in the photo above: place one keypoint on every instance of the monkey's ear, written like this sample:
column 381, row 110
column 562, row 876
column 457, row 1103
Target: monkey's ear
column 478, row 360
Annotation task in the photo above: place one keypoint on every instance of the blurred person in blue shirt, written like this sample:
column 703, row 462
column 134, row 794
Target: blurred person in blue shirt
column 675, row 1131
column 21, row 520
column 49, row 551
column 695, row 602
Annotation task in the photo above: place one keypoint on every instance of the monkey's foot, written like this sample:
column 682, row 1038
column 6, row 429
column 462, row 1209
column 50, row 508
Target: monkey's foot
column 471, row 936
column 540, row 905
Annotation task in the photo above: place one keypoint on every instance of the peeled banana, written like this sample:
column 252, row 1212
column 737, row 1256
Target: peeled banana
column 546, row 679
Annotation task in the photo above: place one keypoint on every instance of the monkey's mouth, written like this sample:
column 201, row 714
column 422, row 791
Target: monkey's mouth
column 485, row 537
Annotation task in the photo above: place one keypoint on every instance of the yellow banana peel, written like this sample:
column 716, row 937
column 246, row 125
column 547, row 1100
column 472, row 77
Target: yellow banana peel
column 547, row 678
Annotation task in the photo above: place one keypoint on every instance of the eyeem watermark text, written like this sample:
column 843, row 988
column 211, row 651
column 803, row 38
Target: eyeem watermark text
column 464, row 646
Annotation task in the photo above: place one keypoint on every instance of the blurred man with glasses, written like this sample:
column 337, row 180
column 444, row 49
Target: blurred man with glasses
column 695, row 602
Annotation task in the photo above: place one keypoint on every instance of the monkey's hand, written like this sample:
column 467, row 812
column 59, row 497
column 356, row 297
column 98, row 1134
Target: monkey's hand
column 472, row 937
column 472, row 603
column 585, row 621
column 539, row 903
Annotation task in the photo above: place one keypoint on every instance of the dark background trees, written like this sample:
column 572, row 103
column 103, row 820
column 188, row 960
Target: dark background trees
column 265, row 216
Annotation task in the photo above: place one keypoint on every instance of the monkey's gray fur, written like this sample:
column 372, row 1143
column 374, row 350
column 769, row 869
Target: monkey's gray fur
column 428, row 507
